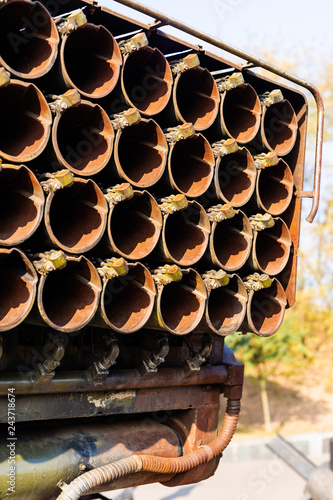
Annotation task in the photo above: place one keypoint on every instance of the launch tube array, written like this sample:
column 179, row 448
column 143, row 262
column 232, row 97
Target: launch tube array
column 138, row 189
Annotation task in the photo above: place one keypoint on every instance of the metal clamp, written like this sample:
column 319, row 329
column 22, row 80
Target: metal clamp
column 75, row 19
column 260, row 222
column 173, row 203
column 264, row 160
column 166, row 274
column 193, row 365
column 215, row 279
column 4, row 77
column 99, row 370
column 149, row 366
column 230, row 82
column 224, row 147
column 189, row 62
column 64, row 101
column 119, row 193
column 218, row 213
column 175, row 134
column 59, row 180
column 269, row 98
column 255, row 282
column 112, row 268
column 52, row 260
column 133, row 44
column 125, row 119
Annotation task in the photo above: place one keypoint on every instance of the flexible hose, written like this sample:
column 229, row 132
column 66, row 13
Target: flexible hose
column 107, row 473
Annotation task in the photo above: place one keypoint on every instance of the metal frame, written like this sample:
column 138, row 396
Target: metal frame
column 252, row 61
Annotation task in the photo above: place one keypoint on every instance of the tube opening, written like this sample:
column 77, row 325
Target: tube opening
column 280, row 127
column 25, row 121
column 28, row 39
column 191, row 165
column 147, row 80
column 92, row 60
column 141, row 153
column 78, row 216
column 185, row 239
column 232, row 242
column 197, row 97
column 275, row 188
column 240, row 112
column 135, row 225
column 69, row 299
column 273, row 248
column 21, row 204
column 235, row 178
column 83, row 139
column 266, row 310
column 128, row 300
column 226, row 307
column 17, row 288
column 181, row 307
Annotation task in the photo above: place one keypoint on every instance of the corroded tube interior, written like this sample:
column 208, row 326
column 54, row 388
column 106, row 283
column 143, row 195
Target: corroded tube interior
column 21, row 204
column 25, row 121
column 141, row 153
column 275, row 188
column 134, row 226
column 28, row 39
column 182, row 303
column 127, row 301
column 76, row 216
column 185, row 235
column 146, row 80
column 18, row 280
column 191, row 166
column 235, row 177
column 226, row 306
column 68, row 298
column 82, row 137
column 91, row 60
column 240, row 113
column 266, row 309
column 279, row 127
column 196, row 97
column 230, row 242
column 272, row 248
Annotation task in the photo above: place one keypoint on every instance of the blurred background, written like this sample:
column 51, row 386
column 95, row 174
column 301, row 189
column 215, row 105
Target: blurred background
column 289, row 377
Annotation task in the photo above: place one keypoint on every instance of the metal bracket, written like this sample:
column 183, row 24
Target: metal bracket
column 173, row 203
column 215, row 279
column 189, row 62
column 75, row 19
column 230, row 82
column 176, row 134
column 193, row 365
column 149, row 366
column 264, row 160
column 52, row 260
column 59, row 180
column 260, row 222
column 4, row 77
column 269, row 98
column 45, row 372
column 167, row 274
column 218, row 213
column 133, row 44
column 112, row 268
column 125, row 119
column 257, row 282
column 64, row 101
column 224, row 147
column 99, row 370
column 119, row 193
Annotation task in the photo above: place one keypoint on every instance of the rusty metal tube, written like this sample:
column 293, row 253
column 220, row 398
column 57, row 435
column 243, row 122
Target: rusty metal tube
column 28, row 39
column 179, row 304
column 75, row 216
column 271, row 248
column 21, row 204
column 82, row 138
column 68, row 296
column 185, row 234
column 134, row 225
column 67, row 449
column 278, row 130
column 127, row 300
column 265, row 310
column 18, row 286
column 239, row 114
column 274, row 188
column 90, row 61
column 195, row 98
column 190, row 166
column 25, row 121
column 140, row 154
column 225, row 308
column 235, row 174
column 93, row 479
column 146, row 81
column 230, row 239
